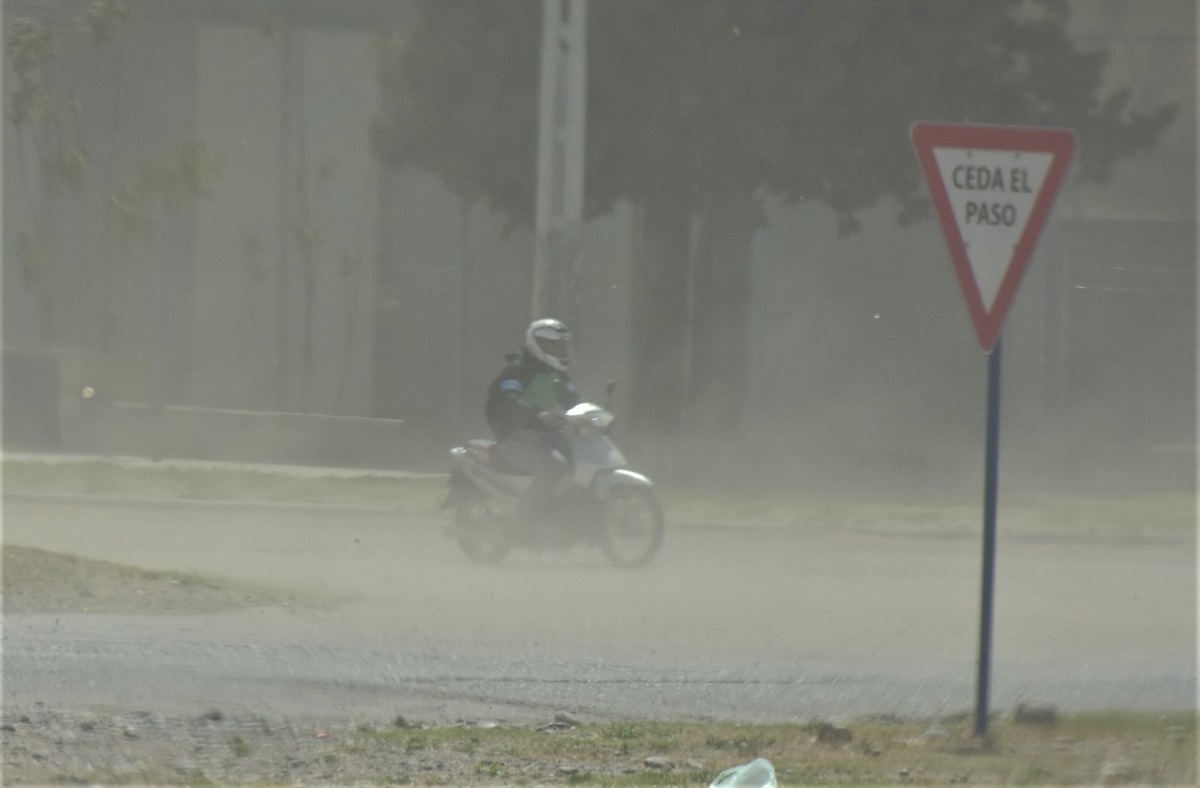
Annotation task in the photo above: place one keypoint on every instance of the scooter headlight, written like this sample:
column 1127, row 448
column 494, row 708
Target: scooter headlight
column 600, row 419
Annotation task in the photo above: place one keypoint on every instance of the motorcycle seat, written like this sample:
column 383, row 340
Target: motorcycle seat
column 495, row 461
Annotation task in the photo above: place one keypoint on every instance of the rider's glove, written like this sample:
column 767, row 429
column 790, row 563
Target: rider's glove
column 552, row 419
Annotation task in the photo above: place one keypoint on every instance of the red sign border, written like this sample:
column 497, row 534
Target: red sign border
column 1060, row 143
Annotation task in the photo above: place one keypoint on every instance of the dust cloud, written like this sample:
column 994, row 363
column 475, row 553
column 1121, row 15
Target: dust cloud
column 205, row 259
column 254, row 256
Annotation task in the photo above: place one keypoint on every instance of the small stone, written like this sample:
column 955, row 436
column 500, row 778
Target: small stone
column 827, row 733
column 1035, row 714
column 130, row 732
column 400, row 722
column 658, row 762
column 567, row 718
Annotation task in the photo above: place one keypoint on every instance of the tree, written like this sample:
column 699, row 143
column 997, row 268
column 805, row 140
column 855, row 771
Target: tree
column 698, row 109
column 461, row 100
column 66, row 106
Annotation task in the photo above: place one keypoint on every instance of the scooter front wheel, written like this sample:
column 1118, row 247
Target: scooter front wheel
column 631, row 532
column 481, row 529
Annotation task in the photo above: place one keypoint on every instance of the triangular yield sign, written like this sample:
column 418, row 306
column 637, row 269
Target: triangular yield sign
column 993, row 187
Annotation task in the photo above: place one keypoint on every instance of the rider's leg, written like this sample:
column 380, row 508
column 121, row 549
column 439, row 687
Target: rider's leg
column 535, row 452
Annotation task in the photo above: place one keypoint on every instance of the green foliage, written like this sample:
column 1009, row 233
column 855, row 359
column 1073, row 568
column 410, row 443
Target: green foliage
column 28, row 102
column 746, row 746
column 812, row 101
column 105, row 19
column 29, row 46
column 183, row 175
column 622, row 731
column 460, row 94
column 239, row 746
column 1151, row 748
column 697, row 108
column 32, row 260
column 173, row 180
column 64, row 169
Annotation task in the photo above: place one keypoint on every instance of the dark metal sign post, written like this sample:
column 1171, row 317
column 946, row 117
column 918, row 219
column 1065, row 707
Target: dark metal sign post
column 991, row 472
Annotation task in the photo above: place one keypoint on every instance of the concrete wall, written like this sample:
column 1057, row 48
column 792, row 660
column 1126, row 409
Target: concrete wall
column 242, row 436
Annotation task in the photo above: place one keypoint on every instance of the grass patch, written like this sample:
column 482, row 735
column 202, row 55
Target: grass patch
column 1151, row 515
column 166, row 481
column 1094, row 748
column 239, row 746
column 195, row 779
column 1129, row 513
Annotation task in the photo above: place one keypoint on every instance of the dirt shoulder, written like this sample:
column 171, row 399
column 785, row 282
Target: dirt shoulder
column 41, row 581
column 46, row 747
column 43, row 746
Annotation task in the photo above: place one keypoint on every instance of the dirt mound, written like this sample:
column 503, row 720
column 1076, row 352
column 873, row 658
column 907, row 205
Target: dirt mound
column 41, row 581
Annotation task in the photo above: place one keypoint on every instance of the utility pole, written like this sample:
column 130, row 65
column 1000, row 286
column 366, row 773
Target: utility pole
column 288, row 86
column 561, row 119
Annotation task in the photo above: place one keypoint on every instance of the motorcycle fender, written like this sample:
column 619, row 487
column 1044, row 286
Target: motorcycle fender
column 605, row 482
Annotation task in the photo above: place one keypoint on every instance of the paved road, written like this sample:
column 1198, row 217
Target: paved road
column 753, row 624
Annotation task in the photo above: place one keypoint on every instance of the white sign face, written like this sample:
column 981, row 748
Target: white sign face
column 992, row 193
column 992, row 187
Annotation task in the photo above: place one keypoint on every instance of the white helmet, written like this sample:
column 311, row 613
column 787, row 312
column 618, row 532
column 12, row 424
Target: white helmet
column 549, row 341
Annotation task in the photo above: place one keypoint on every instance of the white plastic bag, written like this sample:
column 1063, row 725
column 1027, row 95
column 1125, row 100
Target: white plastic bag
column 759, row 773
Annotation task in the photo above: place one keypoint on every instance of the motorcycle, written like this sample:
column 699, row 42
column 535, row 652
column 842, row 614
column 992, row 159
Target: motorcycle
column 605, row 504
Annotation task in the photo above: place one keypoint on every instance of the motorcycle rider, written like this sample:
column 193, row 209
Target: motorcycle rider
column 525, row 406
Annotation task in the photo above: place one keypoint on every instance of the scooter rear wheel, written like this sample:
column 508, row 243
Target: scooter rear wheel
column 481, row 530
column 631, row 531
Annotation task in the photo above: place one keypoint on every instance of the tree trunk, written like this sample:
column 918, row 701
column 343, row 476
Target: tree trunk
column 660, row 290
column 721, row 323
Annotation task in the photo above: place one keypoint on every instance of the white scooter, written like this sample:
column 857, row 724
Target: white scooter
column 604, row 503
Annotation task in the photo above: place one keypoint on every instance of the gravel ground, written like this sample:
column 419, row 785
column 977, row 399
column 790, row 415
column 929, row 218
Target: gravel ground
column 78, row 743
column 43, row 746
column 50, row 747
